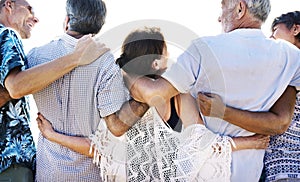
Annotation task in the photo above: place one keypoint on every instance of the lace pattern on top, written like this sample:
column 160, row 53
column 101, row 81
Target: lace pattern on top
column 153, row 152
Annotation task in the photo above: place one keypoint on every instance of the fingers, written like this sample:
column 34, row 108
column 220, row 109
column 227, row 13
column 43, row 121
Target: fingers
column 40, row 116
column 202, row 97
column 102, row 47
column 264, row 141
column 85, row 38
column 41, row 120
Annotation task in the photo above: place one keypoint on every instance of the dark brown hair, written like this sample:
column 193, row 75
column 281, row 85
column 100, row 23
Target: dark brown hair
column 140, row 48
column 289, row 19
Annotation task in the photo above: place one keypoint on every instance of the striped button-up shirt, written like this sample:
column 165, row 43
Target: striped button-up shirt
column 74, row 104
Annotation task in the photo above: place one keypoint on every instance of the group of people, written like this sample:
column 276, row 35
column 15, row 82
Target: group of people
column 224, row 111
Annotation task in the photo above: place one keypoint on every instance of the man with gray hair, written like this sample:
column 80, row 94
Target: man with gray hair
column 76, row 103
column 233, row 65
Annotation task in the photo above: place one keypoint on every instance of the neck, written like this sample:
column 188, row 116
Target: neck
column 3, row 21
column 74, row 34
column 250, row 23
column 297, row 44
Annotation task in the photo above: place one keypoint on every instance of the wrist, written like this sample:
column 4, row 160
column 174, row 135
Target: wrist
column 226, row 113
column 51, row 136
column 73, row 59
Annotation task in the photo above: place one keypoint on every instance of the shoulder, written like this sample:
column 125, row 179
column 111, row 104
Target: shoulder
column 287, row 49
column 5, row 31
column 9, row 36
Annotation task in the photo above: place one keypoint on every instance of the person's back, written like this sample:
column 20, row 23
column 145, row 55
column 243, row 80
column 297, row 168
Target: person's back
column 72, row 105
column 251, row 76
column 245, row 76
column 76, row 102
column 246, row 69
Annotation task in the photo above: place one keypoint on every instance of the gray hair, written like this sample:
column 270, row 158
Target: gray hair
column 259, row 9
column 86, row 16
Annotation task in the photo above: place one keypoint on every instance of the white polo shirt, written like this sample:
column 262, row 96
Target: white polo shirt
column 249, row 71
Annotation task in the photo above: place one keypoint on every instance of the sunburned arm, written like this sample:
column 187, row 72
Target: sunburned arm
column 77, row 144
column 20, row 83
column 131, row 111
column 146, row 90
column 276, row 121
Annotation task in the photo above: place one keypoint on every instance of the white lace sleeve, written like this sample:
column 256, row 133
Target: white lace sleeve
column 109, row 153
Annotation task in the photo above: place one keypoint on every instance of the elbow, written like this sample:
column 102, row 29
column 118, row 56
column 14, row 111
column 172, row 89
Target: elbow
column 281, row 126
column 116, row 133
column 154, row 99
column 14, row 90
column 15, row 93
column 115, row 125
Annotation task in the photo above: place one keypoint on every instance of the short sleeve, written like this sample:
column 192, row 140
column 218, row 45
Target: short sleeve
column 296, row 78
column 12, row 53
column 112, row 92
column 183, row 73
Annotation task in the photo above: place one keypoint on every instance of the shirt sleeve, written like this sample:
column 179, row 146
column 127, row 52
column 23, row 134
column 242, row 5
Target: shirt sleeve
column 183, row 73
column 32, row 58
column 296, row 79
column 112, row 91
column 12, row 53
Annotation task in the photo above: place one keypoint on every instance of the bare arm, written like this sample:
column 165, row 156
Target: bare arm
column 251, row 142
column 4, row 96
column 119, row 122
column 276, row 121
column 189, row 114
column 77, row 144
column 20, row 83
column 146, row 90
column 187, row 110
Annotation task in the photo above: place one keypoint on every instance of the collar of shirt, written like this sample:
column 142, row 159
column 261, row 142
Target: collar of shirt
column 249, row 32
column 69, row 39
column 16, row 32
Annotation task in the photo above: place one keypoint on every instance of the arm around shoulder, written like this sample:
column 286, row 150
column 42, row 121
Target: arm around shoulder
column 147, row 90
column 23, row 82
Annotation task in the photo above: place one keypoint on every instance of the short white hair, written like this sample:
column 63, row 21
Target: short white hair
column 259, row 9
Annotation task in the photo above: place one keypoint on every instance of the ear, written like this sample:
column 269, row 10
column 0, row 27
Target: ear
column 8, row 5
column 241, row 9
column 296, row 29
column 66, row 22
column 155, row 64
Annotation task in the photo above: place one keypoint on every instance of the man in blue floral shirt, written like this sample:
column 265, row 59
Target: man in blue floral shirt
column 17, row 149
column 16, row 142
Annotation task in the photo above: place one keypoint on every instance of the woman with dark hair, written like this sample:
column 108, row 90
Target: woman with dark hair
column 155, row 152
column 282, row 156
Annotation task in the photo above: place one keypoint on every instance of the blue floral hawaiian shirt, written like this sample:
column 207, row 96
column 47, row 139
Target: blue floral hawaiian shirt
column 16, row 141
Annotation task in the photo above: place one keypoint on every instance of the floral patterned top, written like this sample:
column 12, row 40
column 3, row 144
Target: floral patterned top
column 16, row 141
